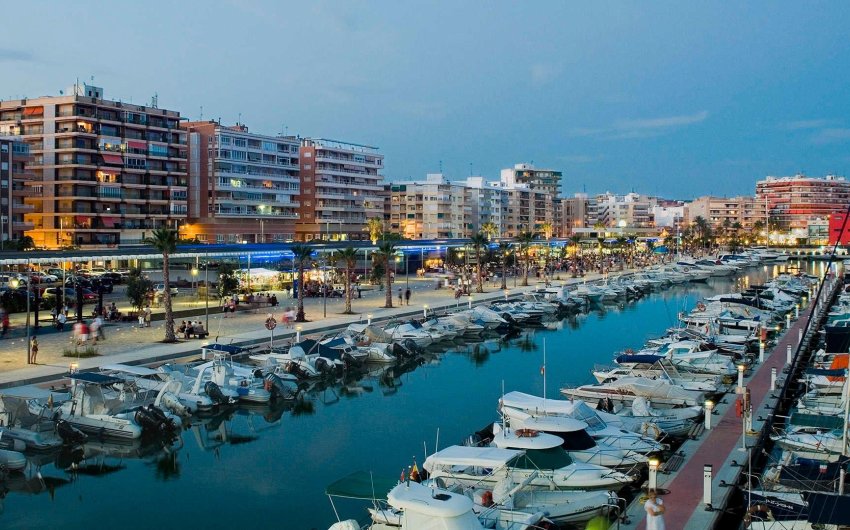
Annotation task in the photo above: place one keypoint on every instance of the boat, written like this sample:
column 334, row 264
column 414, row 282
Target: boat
column 627, row 389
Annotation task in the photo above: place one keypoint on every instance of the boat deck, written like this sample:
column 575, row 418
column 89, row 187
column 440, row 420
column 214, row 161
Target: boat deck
column 721, row 446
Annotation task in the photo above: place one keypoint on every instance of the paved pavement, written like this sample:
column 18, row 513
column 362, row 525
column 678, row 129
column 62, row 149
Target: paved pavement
column 127, row 343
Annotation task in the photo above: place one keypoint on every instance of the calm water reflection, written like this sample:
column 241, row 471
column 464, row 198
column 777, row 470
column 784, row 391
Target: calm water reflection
column 270, row 467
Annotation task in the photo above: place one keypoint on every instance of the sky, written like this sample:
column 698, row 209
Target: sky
column 677, row 99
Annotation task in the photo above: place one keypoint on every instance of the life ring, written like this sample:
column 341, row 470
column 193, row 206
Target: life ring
column 700, row 306
column 754, row 509
column 647, row 426
column 487, row 499
column 629, row 350
column 267, row 385
column 526, row 433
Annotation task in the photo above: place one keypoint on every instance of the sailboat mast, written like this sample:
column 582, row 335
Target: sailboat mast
column 544, row 370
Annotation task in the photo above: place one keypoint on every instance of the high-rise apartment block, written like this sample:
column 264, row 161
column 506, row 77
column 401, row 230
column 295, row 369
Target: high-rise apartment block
column 577, row 212
column 791, row 202
column 631, row 210
column 104, row 172
column 431, row 209
column 243, row 186
column 547, row 180
column 341, row 187
column 524, row 209
column 14, row 154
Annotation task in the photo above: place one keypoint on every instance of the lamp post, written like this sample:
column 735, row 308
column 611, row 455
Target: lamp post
column 653, row 473
column 709, row 406
column 207, row 291
column 195, row 281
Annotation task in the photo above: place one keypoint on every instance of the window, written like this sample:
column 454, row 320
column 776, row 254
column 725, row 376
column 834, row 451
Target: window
column 240, row 142
column 269, row 146
column 239, row 155
column 308, row 154
column 225, row 140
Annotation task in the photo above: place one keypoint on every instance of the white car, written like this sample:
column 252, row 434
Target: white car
column 159, row 290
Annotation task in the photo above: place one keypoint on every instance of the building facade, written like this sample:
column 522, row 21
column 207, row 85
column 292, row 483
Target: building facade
column 104, row 172
column 792, row 202
column 632, row 210
column 721, row 212
column 243, row 186
column 341, row 187
column 431, row 209
column 578, row 211
column 547, row 180
column 524, row 209
column 14, row 155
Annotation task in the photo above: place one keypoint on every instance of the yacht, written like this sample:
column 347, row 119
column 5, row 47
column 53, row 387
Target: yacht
column 627, row 389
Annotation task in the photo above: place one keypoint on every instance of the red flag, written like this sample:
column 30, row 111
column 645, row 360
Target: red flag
column 543, row 370
column 402, row 475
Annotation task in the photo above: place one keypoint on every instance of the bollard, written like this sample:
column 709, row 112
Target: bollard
column 297, row 333
column 772, row 379
column 788, row 321
column 653, row 473
column 469, row 300
column 741, row 369
column 797, row 311
column 761, row 351
column 369, row 319
column 709, row 406
column 799, row 335
column 706, row 486
column 788, row 354
column 507, row 292
column 425, row 311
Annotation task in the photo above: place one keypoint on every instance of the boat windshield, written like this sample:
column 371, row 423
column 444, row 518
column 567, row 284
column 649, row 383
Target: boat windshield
column 576, row 440
column 586, row 414
column 552, row 458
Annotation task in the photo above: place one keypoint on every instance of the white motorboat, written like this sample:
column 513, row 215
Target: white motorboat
column 485, row 466
column 402, row 332
column 605, row 428
column 641, row 417
column 159, row 380
column 627, row 389
column 12, row 460
column 657, row 367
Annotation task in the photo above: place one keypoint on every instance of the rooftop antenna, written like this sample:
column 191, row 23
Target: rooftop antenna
column 470, row 169
column 239, row 119
column 201, row 118
column 441, row 166
column 155, row 101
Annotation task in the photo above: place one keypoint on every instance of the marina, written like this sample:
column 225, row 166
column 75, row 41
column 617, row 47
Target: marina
column 326, row 428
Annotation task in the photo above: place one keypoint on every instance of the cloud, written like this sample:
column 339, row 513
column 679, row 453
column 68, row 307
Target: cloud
column 804, row 124
column 542, row 73
column 12, row 55
column 831, row 135
column 642, row 128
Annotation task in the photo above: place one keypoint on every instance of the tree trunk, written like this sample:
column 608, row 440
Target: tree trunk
column 166, row 298
column 525, row 272
column 480, row 280
column 347, row 290
column 504, row 271
column 389, row 292
column 299, row 316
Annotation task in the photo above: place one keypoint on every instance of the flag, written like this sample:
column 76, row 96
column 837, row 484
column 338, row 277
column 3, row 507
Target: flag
column 414, row 473
column 543, row 370
column 402, row 475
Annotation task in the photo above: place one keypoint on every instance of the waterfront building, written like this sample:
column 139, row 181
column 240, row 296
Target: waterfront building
column 341, row 187
column 721, row 212
column 485, row 204
column 548, row 180
column 791, row 202
column 243, row 186
column 524, row 209
column 431, row 209
column 14, row 155
column 632, row 209
column 669, row 214
column 578, row 211
column 104, row 172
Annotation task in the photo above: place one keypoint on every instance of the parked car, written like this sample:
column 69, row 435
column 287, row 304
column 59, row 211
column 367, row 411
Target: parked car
column 159, row 290
column 112, row 276
column 59, row 273
column 103, row 281
column 6, row 281
column 71, row 281
column 43, row 277
column 97, row 271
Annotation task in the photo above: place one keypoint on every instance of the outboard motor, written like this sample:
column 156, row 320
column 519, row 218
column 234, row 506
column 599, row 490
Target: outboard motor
column 166, row 423
column 70, row 434
column 172, row 403
column 278, row 388
column 149, row 423
column 413, row 347
column 214, row 392
column 323, row 366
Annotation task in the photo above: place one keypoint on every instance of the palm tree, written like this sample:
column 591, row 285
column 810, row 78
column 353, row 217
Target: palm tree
column 525, row 239
column 384, row 254
column 375, row 227
column 301, row 255
column 490, row 230
column 478, row 241
column 348, row 257
column 548, row 229
column 758, row 227
column 504, row 249
column 164, row 240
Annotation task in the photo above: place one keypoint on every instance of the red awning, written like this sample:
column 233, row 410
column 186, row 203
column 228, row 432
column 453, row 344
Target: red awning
column 113, row 159
column 135, row 144
column 82, row 219
column 33, row 111
column 109, row 222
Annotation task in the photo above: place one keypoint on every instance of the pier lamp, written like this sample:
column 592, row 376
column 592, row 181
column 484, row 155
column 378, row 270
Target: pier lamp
column 195, row 279
column 507, row 292
column 298, row 333
column 72, row 369
column 469, row 300
column 778, row 328
column 14, row 283
column 653, row 473
column 425, row 311
column 761, row 351
column 369, row 319
column 709, row 406
column 741, row 369
column 797, row 311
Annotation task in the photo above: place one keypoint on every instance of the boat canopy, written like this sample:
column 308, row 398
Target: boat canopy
column 31, row 392
column 829, row 508
column 638, row 359
column 361, row 485
column 817, row 421
column 140, row 371
column 826, row 372
column 94, row 378
column 537, row 405
column 458, row 455
column 224, row 348
column 421, row 505
column 543, row 459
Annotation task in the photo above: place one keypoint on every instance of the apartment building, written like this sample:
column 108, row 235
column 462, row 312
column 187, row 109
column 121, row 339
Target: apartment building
column 577, row 212
column 484, row 203
column 14, row 154
column 431, row 209
column 632, row 210
column 243, row 186
column 341, row 187
column 104, row 172
column 670, row 214
column 548, row 180
column 524, row 209
column 792, row 202
column 723, row 211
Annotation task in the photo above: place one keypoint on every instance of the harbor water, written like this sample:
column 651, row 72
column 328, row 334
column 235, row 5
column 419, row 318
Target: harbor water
column 270, row 466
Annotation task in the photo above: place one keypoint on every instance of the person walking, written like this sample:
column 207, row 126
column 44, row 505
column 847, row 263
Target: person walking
column 654, row 512
column 61, row 318
column 400, row 297
column 148, row 316
column 407, row 296
column 4, row 317
column 33, row 351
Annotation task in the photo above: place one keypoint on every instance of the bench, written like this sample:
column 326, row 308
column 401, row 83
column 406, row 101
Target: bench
column 200, row 335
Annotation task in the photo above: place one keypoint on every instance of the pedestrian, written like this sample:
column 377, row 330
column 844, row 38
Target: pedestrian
column 148, row 316
column 654, row 512
column 61, row 318
column 407, row 296
column 400, row 297
column 54, row 313
column 33, row 351
column 359, row 291
column 4, row 315
column 225, row 307
column 98, row 334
